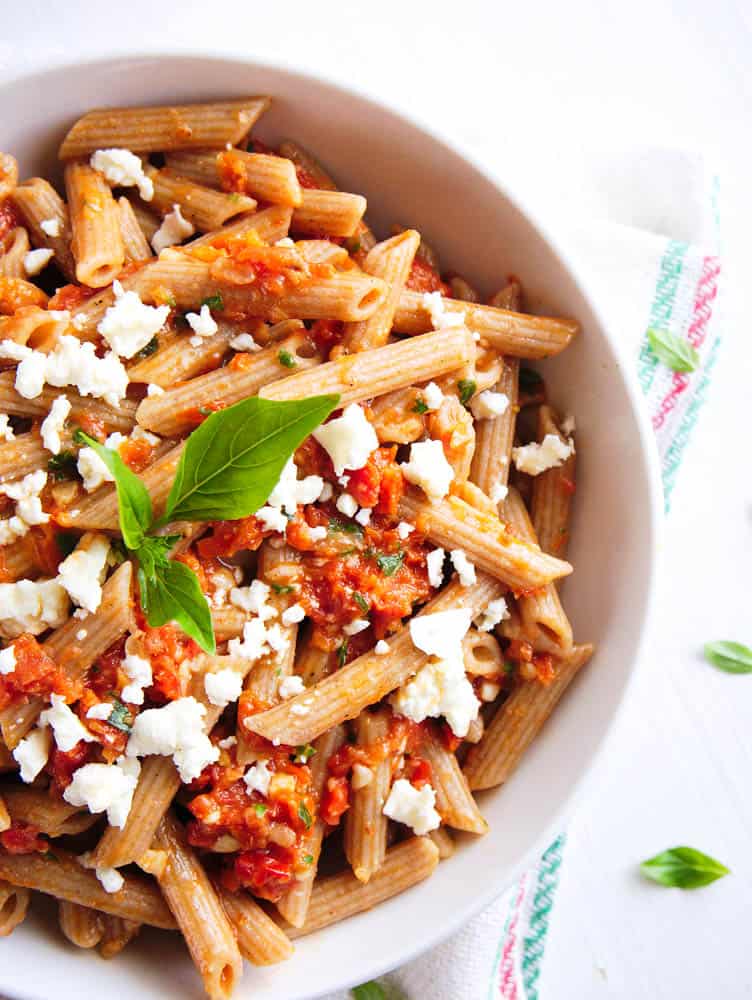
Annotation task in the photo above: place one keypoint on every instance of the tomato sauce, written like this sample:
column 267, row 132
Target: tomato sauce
column 23, row 838
column 71, row 296
column 35, row 674
column 9, row 219
column 229, row 537
column 63, row 763
column 424, row 278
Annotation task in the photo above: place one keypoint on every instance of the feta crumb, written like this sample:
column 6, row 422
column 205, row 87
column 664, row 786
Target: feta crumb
column 346, row 504
column 8, row 660
column 54, row 423
column 272, row 519
column 432, row 396
column 489, row 691
column 290, row 686
column 327, row 492
column 435, row 567
column 488, row 404
column 110, row 879
column 429, row 469
column 35, row 261
column 50, row 227
column 254, row 599
column 92, row 470
column 81, row 634
column 257, row 777
column 364, row 516
column 223, row 687
column 83, row 571
column 361, row 776
column 101, row 711
column 441, row 632
column 122, row 168
column 415, row 807
column 66, row 725
column 381, row 648
column 286, row 495
column 227, row 742
column 536, row 458
column 105, row 788
column 139, row 673
column 6, row 431
column 404, row 529
column 28, row 510
column 71, row 362
column 433, row 303
column 254, row 642
column 294, row 614
column 31, row 606
column 496, row 612
column 465, row 569
column 202, row 323
column 356, row 626
column 177, row 731
column 348, row 440
column 32, row 752
column 154, row 390
column 129, row 324
column 499, row 492
column 244, row 342
column 174, row 229
column 317, row 534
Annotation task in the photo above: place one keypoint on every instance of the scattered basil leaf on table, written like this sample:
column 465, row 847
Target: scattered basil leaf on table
column 683, row 868
column 368, row 991
column 672, row 350
column 732, row 657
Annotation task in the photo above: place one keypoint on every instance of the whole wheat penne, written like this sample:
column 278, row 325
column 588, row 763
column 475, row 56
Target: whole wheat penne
column 120, row 418
column 365, row 822
column 454, row 801
column 62, row 876
column 267, row 178
column 328, row 213
column 313, row 663
column 552, row 493
column 199, row 913
column 38, row 202
column 148, row 221
column 517, row 723
column 395, row 417
column 391, row 261
column 15, row 293
column 494, row 437
column 96, row 242
column 117, row 934
column 204, row 207
column 540, row 611
column 17, row 560
column 452, row 424
column 367, row 679
column 13, row 250
column 158, row 129
column 508, row 297
column 36, row 328
column 453, row 524
column 8, row 174
column 260, row 940
column 177, row 358
column 14, row 903
column 517, row 334
column 135, row 244
column 5, row 819
column 270, row 224
column 82, row 926
column 293, row 906
column 228, row 622
column 21, row 456
column 341, row 896
column 443, row 841
column 371, row 373
column 481, row 653
column 174, row 412
column 51, row 815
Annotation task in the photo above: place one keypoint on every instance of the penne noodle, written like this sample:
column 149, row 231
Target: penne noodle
column 13, row 250
column 15, row 293
column 16, row 561
column 120, row 418
column 34, row 327
column 176, row 358
column 517, row 723
column 38, row 202
column 148, row 221
column 267, row 178
column 260, row 940
column 313, row 664
column 494, row 437
column 328, row 213
column 24, row 454
column 51, row 815
column 508, row 297
column 461, row 289
column 228, row 622
column 454, row 801
column 442, row 839
column 270, row 224
column 8, row 174
column 96, row 242
column 118, row 933
column 5, row 819
column 395, row 418
column 135, row 244
column 14, row 903
column 158, row 129
column 82, row 926
column 204, row 207
column 552, row 494
column 365, row 822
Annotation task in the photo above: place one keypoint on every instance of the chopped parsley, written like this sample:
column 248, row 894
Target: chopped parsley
column 120, row 717
column 153, row 344
column 362, row 603
column 205, row 411
column 62, row 465
column 303, row 753
column 260, row 808
column 419, row 406
column 307, row 859
column 342, row 653
column 467, row 388
column 305, row 815
column 348, row 527
column 280, row 588
column 214, row 302
column 287, row 359
column 387, row 562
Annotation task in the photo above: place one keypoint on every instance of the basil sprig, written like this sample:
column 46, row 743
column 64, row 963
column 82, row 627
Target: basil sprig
column 732, row 657
column 683, row 868
column 229, row 466
column 674, row 352
column 368, row 991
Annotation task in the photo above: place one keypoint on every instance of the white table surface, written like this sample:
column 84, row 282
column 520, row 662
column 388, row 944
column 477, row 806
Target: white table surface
column 524, row 85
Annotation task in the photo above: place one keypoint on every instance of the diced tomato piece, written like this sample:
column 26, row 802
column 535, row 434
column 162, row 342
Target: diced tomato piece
column 424, row 278
column 63, row 763
column 335, row 800
column 23, row 838
column 229, row 537
column 35, row 673
column 267, row 873
column 325, row 333
column 231, row 171
column 70, row 296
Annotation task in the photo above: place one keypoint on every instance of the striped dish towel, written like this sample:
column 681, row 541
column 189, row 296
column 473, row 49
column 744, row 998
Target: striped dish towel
column 652, row 258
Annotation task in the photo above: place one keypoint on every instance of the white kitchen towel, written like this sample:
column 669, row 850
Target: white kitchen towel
column 650, row 249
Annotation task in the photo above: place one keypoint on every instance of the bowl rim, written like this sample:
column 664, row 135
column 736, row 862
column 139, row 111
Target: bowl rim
column 648, row 450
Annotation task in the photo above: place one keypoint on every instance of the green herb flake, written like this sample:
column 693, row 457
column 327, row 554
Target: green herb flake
column 672, row 350
column 419, row 406
column 51, row 856
column 305, row 815
column 303, row 753
column 467, row 388
column 307, row 859
column 362, row 603
column 153, row 346
column 683, row 868
column 120, row 717
column 347, row 527
column 352, row 245
column 62, row 465
column 215, row 302
column 509, row 668
column 286, row 359
column 732, row 657
column 389, row 564
column 280, row 588
column 342, row 653
column 368, row 991
column 260, row 808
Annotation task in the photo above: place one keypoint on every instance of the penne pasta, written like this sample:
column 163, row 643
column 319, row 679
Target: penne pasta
column 14, row 903
column 267, row 178
column 38, row 202
column 120, row 418
column 13, row 250
column 21, row 456
column 328, row 213
column 552, row 494
column 96, row 241
column 82, row 926
column 51, row 815
column 454, row 801
column 204, row 207
column 118, row 933
column 260, row 940
column 135, row 244
column 494, row 438
column 365, row 822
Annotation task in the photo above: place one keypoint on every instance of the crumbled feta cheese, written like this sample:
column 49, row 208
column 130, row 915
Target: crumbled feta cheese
column 174, row 229
column 355, row 626
column 536, row 458
column 440, row 687
column 440, row 633
column 291, row 491
column 404, row 529
column 285, row 242
column 28, row 506
column 294, row 614
column 129, row 324
column 71, row 362
column 32, row 606
column 110, row 879
column 227, row 742
column 568, row 426
column 381, row 648
column 496, row 612
column 154, row 390
column 489, row 691
column 361, row 776
column 317, row 534
column 50, row 227
column 272, row 519
column 83, row 571
column 92, row 470
column 101, row 711
column 435, row 567
column 254, row 600
column 432, row 396
column 32, row 752
column 8, row 660
column 257, row 640
column 122, row 168
column 53, row 424
column 244, row 342
column 327, row 492
column 81, row 634
column 6, row 431
column 202, row 323
column 348, row 440
column 364, row 516
column 415, row 807
column 499, row 492
column 433, row 303
column 139, row 673
column 489, row 404
column 465, row 569
column 223, row 687
column 105, row 788
column 290, row 686
column 346, row 504
column 177, row 731
column 35, row 261
column 257, row 777
column 66, row 725
column 429, row 469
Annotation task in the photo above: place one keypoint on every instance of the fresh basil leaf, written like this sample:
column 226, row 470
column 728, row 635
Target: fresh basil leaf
column 305, row 815
column 287, row 359
column 732, row 657
column 134, row 504
column 172, row 593
column 368, row 991
column 673, row 350
column 120, row 717
column 214, row 302
column 683, row 868
column 362, row 603
column 419, row 406
column 389, row 563
column 233, row 461
column 153, row 553
column 467, row 387
column 342, row 653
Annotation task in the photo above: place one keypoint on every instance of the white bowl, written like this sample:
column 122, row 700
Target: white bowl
column 479, row 229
